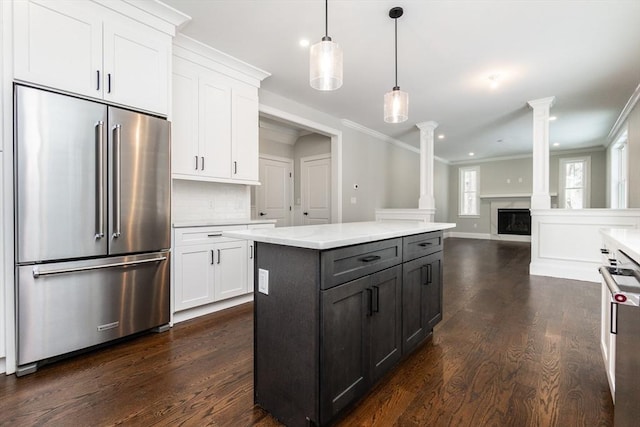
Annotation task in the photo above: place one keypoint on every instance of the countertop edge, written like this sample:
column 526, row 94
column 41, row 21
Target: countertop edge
column 186, row 224
column 262, row 236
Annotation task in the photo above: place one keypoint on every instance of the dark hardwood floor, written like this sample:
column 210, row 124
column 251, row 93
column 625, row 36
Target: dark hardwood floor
column 512, row 350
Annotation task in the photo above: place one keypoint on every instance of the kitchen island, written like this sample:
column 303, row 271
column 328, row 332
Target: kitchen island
column 336, row 306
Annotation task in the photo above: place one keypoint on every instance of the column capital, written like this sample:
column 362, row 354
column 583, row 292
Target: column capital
column 542, row 102
column 430, row 125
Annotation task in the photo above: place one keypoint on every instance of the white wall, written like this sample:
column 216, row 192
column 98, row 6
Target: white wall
column 633, row 126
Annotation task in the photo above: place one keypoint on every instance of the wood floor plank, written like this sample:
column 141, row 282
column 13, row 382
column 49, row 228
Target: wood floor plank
column 511, row 350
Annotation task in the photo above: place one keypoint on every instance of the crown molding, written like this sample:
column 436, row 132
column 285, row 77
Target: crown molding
column 530, row 155
column 385, row 138
column 193, row 50
column 622, row 118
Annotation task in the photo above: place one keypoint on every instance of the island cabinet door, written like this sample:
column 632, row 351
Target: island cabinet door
column 434, row 290
column 344, row 362
column 385, row 320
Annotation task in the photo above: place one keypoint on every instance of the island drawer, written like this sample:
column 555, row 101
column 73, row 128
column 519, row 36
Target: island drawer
column 419, row 245
column 344, row 264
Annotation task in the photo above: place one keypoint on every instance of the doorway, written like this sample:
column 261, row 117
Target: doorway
column 274, row 198
column 315, row 189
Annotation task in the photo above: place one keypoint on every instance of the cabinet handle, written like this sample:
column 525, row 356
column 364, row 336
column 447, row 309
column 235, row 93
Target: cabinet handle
column 218, row 256
column 425, row 244
column 212, row 260
column 97, row 79
column 202, row 166
column 369, row 302
column 305, row 213
column 429, row 278
column 235, row 168
column 214, row 235
column 369, row 258
column 109, row 83
column 425, row 272
column 604, row 251
column 250, row 251
column 196, row 162
column 613, row 320
column 376, row 307
column 262, row 214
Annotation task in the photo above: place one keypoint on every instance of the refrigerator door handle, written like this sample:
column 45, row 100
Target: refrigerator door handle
column 37, row 273
column 117, row 132
column 100, row 181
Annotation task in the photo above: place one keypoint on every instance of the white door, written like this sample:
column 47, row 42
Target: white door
column 230, row 269
column 193, row 276
column 136, row 60
column 215, row 126
column 315, row 189
column 274, row 196
column 59, row 44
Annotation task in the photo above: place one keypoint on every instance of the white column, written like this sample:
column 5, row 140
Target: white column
column 427, row 199
column 540, row 198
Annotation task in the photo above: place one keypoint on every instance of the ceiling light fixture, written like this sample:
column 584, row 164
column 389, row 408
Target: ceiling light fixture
column 494, row 81
column 556, row 144
column 304, row 42
column 396, row 102
column 325, row 60
column 472, row 154
column 553, row 118
column 441, row 136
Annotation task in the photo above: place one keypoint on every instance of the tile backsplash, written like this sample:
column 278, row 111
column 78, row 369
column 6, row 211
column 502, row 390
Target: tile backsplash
column 196, row 200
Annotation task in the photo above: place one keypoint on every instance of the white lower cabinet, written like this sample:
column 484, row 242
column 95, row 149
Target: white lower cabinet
column 210, row 272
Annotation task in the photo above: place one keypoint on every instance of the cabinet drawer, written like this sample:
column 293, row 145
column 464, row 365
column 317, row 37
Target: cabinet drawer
column 344, row 264
column 421, row 244
column 199, row 235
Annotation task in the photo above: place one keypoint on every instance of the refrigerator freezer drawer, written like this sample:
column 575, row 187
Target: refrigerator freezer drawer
column 64, row 307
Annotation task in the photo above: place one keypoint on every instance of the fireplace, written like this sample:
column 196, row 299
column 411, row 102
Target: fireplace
column 514, row 221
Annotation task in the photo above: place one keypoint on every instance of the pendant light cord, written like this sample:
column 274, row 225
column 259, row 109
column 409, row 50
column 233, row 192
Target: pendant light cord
column 396, row 50
column 326, row 18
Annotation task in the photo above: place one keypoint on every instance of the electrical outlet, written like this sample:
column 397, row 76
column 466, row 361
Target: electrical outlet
column 263, row 281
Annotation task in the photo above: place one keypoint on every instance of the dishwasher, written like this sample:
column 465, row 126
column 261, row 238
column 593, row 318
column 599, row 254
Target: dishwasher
column 623, row 281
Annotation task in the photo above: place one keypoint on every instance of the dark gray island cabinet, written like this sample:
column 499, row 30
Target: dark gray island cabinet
column 330, row 322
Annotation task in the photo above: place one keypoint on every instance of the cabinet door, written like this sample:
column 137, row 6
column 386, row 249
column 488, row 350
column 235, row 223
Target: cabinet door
column 136, row 64
column 345, row 352
column 184, row 122
column 59, row 44
column 245, row 134
column 215, row 126
column 414, row 328
column 230, row 269
column 193, row 276
column 434, row 289
column 386, row 320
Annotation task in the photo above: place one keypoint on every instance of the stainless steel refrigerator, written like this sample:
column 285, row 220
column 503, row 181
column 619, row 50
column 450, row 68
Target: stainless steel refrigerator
column 92, row 223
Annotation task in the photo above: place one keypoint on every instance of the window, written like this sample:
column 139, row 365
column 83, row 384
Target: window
column 574, row 183
column 619, row 172
column 469, row 187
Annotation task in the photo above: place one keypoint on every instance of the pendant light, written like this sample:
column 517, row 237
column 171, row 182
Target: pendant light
column 325, row 61
column 396, row 102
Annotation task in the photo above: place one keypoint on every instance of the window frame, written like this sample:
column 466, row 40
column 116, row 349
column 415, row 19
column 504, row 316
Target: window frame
column 619, row 172
column 562, row 181
column 461, row 191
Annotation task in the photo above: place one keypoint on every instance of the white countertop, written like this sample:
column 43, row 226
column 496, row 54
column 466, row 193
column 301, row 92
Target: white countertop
column 221, row 222
column 625, row 239
column 328, row 236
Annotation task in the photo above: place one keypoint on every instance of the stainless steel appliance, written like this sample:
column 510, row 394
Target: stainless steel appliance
column 623, row 281
column 92, row 209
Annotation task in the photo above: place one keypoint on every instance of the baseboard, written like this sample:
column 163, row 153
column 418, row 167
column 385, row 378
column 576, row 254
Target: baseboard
column 584, row 271
column 192, row 313
column 463, row 235
column 511, row 238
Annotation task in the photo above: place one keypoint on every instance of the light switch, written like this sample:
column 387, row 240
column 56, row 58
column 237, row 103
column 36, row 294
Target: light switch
column 263, row 281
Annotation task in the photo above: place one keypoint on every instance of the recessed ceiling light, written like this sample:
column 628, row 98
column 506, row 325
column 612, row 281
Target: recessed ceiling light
column 552, row 118
column 555, row 144
column 441, row 136
column 494, row 81
column 304, row 42
column 472, row 154
column 499, row 140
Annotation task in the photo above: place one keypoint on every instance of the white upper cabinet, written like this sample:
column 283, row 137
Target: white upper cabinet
column 214, row 115
column 84, row 48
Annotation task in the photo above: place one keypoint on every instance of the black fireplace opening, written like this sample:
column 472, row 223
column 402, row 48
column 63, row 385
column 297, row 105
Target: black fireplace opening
column 514, row 221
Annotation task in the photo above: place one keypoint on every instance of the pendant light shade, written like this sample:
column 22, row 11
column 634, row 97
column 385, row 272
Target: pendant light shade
column 396, row 106
column 325, row 60
column 396, row 102
column 325, row 65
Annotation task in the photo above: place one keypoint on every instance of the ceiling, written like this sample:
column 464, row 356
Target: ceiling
column 585, row 53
